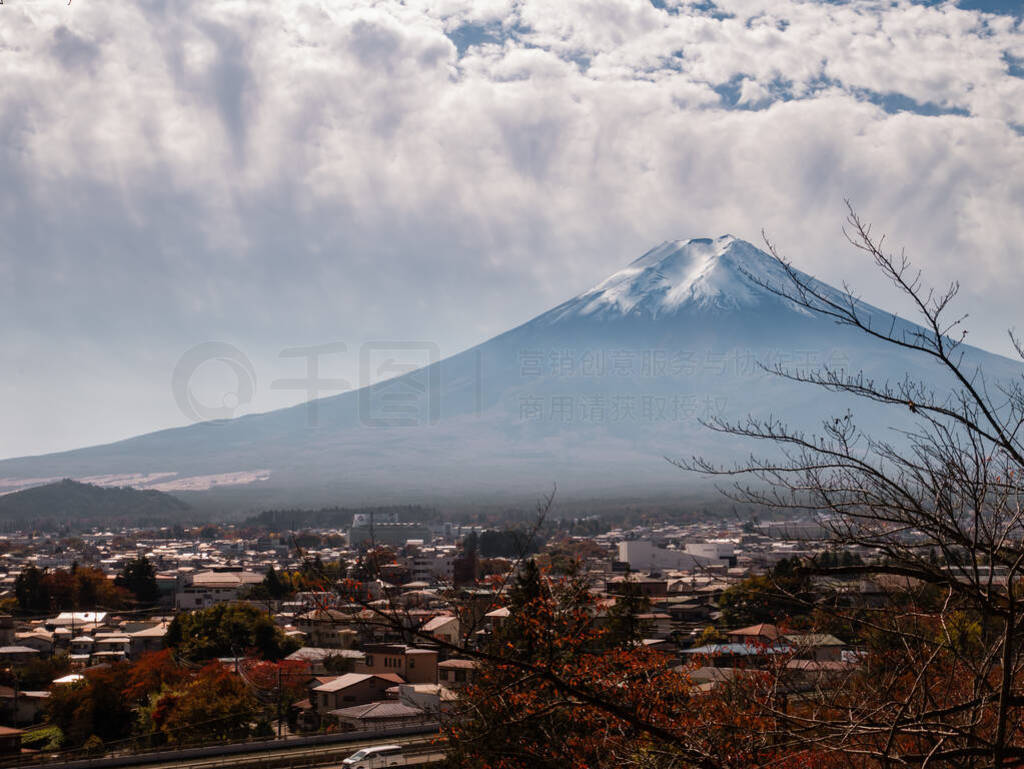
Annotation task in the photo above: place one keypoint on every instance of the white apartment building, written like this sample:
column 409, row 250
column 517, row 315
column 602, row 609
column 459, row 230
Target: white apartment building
column 642, row 555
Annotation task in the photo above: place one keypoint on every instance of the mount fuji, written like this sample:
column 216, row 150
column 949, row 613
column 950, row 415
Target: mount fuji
column 591, row 395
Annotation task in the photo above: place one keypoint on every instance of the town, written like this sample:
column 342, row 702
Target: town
column 220, row 633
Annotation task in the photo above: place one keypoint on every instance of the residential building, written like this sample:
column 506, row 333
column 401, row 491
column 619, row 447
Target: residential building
column 456, row 673
column 352, row 689
column 207, row 588
column 443, row 627
column 415, row 665
column 376, row 716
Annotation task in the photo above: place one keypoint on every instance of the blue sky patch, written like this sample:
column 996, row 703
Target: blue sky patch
column 1015, row 64
column 894, row 103
column 466, row 36
column 702, row 8
column 1001, row 7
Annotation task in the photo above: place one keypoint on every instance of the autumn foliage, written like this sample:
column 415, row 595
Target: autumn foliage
column 560, row 687
column 158, row 700
column 213, row 705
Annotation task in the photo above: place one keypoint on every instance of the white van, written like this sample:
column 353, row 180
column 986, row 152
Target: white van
column 377, row 756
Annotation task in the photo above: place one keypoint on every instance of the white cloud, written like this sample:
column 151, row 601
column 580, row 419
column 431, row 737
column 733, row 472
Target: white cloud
column 279, row 174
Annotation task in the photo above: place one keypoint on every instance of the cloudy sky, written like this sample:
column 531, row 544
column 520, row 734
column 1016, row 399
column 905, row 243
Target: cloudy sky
column 273, row 175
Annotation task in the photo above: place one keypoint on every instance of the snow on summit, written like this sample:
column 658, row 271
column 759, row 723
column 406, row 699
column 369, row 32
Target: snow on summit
column 701, row 273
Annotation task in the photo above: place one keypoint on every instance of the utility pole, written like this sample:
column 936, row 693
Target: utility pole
column 280, row 695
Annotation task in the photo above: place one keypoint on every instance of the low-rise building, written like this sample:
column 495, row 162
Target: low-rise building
column 12, row 655
column 208, row 588
column 327, row 628
column 434, row 699
column 352, row 689
column 376, row 716
column 443, row 627
column 149, row 639
column 643, row 555
column 40, row 640
column 415, row 665
column 321, row 660
column 456, row 673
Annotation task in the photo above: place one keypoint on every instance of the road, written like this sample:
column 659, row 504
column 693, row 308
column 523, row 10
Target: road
column 320, row 756
column 423, row 748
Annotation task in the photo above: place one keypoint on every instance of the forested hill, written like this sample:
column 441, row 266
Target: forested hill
column 71, row 501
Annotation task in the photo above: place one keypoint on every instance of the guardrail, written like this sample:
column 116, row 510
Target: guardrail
column 415, row 756
column 236, row 749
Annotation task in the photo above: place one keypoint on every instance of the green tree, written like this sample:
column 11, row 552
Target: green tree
column 528, row 586
column 471, row 544
column 139, row 577
column 274, row 586
column 37, row 673
column 749, row 602
column 508, row 543
column 711, row 635
column 29, row 589
column 766, row 598
column 227, row 630
column 625, row 627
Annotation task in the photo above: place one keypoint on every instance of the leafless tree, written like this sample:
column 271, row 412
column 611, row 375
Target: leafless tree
column 936, row 506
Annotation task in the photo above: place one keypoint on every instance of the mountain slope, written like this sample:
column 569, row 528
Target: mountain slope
column 591, row 395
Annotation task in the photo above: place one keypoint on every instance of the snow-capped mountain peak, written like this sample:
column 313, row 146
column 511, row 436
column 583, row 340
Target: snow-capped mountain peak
column 721, row 273
column 592, row 395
